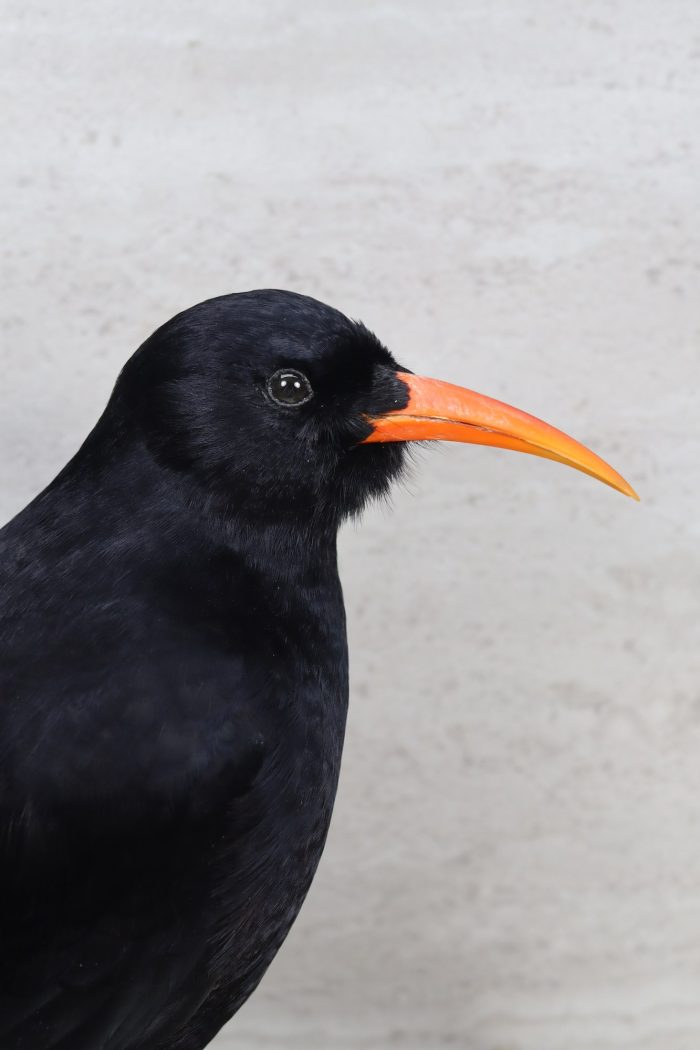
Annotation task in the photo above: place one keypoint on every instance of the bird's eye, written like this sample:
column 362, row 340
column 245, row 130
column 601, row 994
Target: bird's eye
column 288, row 387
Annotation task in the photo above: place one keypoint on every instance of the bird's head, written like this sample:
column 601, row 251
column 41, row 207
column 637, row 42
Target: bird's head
column 287, row 410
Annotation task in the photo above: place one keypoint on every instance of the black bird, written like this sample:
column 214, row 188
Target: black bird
column 173, row 664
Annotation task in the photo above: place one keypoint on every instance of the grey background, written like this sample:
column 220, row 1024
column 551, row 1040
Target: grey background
column 508, row 194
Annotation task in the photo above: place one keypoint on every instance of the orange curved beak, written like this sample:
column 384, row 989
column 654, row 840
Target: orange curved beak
column 443, row 411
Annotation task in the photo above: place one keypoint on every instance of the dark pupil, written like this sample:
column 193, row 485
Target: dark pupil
column 290, row 388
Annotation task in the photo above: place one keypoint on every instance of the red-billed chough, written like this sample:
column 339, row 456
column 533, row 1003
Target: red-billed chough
column 173, row 664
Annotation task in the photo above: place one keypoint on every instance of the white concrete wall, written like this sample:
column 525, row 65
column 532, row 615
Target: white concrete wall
column 508, row 192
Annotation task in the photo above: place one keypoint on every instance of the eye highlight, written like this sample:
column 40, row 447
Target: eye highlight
column 289, row 388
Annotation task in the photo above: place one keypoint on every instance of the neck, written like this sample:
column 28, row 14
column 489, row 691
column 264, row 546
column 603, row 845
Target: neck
column 128, row 485
column 288, row 550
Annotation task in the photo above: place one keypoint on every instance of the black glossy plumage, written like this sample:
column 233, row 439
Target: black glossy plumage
column 173, row 677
